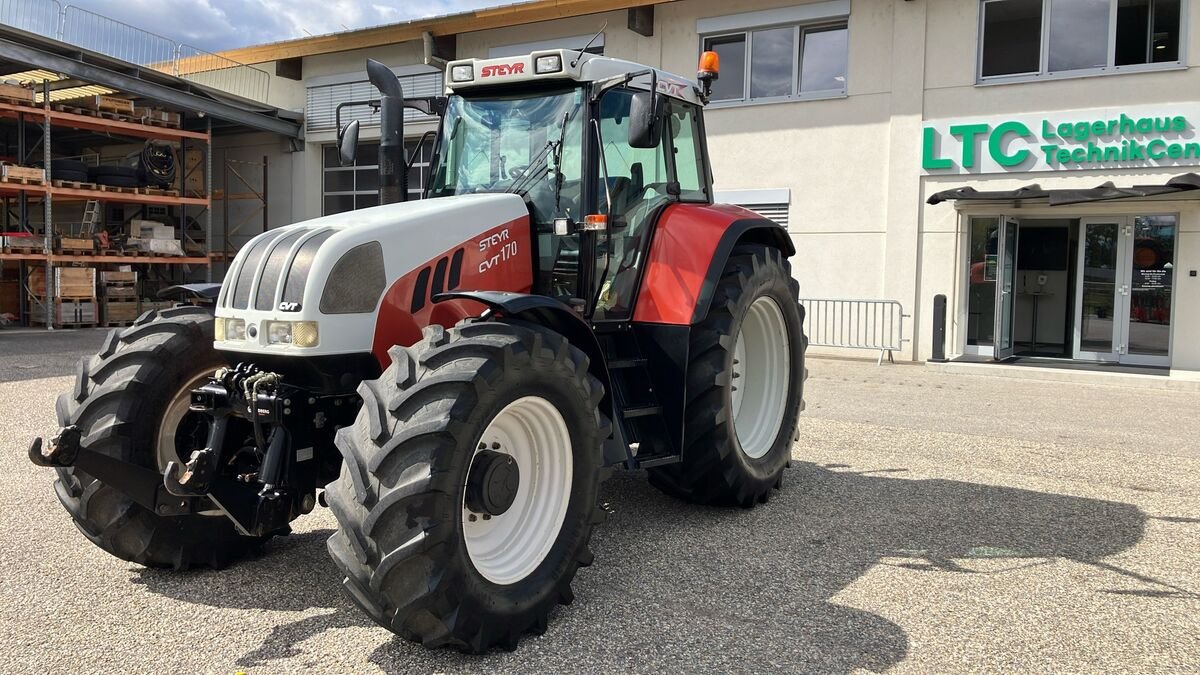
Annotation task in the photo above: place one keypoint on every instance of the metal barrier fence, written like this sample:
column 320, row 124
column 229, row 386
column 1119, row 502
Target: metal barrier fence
column 100, row 34
column 856, row 324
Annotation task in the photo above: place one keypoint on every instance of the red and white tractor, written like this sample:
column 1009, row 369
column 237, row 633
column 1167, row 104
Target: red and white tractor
column 454, row 376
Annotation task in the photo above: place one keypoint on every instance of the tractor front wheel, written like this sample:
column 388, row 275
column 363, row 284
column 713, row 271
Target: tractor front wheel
column 745, row 385
column 468, row 492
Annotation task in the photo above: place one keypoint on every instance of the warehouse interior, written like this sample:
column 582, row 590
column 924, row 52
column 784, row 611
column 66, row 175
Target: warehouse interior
column 111, row 183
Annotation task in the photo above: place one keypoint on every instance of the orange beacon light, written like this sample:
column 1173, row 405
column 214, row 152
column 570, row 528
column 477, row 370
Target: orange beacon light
column 710, row 65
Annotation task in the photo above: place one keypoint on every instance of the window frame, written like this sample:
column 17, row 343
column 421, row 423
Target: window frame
column 800, row 30
column 1110, row 68
column 422, row 165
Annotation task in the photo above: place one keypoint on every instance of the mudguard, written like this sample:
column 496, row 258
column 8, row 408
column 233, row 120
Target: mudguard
column 691, row 244
column 548, row 312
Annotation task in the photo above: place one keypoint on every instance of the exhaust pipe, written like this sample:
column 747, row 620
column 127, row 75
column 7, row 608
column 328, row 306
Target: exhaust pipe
column 393, row 176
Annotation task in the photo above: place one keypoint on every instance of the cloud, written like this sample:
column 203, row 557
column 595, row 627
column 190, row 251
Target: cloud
column 215, row 25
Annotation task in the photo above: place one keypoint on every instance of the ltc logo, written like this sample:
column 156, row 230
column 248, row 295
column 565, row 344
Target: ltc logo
column 289, row 307
column 503, row 69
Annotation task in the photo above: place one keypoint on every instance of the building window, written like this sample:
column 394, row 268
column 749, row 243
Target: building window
column 347, row 188
column 1033, row 38
column 781, row 62
column 322, row 100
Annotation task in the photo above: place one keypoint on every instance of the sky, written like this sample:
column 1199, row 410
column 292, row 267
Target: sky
column 215, row 25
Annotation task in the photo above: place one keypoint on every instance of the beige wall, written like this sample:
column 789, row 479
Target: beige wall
column 852, row 164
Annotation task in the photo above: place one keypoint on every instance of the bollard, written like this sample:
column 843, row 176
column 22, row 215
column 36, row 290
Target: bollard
column 939, row 329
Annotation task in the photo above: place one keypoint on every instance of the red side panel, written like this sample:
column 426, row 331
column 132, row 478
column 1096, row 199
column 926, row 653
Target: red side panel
column 684, row 244
column 500, row 259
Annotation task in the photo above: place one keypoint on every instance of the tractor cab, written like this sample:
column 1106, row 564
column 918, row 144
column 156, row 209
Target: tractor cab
column 596, row 146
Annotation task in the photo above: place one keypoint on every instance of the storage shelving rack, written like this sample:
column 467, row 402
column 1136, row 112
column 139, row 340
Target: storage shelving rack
column 49, row 117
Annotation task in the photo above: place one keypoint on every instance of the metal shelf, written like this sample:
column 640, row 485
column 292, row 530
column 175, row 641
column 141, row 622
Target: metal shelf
column 106, row 259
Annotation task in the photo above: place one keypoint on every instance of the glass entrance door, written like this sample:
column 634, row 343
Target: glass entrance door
column 1126, row 283
column 1006, row 273
column 1150, row 244
column 1100, row 282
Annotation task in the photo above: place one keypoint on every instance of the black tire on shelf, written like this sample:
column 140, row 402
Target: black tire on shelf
column 117, row 181
column 77, row 176
column 72, row 166
column 400, row 499
column 112, row 170
column 120, row 396
column 716, row 469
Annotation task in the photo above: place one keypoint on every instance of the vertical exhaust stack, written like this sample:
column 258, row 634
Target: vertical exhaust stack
column 393, row 175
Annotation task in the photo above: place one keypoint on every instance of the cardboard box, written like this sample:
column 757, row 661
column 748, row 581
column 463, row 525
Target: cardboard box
column 14, row 172
column 193, row 169
column 107, row 103
column 163, row 246
column 16, row 91
column 150, row 229
column 168, row 117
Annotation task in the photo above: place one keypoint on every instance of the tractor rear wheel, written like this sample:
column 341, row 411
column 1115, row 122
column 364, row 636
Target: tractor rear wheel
column 468, row 492
column 745, row 385
column 130, row 402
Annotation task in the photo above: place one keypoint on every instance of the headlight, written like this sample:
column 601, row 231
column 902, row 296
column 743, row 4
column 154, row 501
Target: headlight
column 296, row 333
column 279, row 332
column 462, row 73
column 229, row 329
column 548, row 64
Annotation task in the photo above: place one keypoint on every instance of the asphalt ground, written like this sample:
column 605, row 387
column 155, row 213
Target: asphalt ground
column 932, row 523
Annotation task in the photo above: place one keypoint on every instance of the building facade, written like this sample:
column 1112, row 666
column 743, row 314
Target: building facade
column 843, row 118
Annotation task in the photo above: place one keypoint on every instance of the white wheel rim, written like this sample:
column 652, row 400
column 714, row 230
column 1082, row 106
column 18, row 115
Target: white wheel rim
column 176, row 410
column 761, row 375
column 509, row 547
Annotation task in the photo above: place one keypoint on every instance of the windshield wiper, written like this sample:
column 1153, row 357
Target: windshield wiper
column 558, row 150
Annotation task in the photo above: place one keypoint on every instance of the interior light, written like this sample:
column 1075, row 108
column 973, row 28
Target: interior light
column 462, row 73
column 548, row 64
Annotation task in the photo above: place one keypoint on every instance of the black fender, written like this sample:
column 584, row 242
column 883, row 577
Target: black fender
column 185, row 291
column 553, row 314
column 745, row 231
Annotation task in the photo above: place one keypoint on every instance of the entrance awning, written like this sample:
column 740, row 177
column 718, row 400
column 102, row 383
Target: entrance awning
column 1100, row 193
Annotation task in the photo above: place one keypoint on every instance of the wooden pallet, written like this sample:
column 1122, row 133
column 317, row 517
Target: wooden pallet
column 158, row 192
column 27, row 250
column 150, row 121
column 73, row 250
column 78, row 185
column 117, row 189
column 22, row 181
column 23, row 102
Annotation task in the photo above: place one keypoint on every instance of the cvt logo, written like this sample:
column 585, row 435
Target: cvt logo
column 289, row 307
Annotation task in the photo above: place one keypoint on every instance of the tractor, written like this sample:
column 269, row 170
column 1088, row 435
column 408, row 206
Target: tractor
column 454, row 376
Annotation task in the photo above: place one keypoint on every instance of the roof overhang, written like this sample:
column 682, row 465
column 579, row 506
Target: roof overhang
column 23, row 51
column 452, row 24
column 1177, row 187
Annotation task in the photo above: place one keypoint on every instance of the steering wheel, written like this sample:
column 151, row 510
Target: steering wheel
column 515, row 171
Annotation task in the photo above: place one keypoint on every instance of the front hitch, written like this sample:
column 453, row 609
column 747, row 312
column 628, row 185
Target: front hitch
column 143, row 485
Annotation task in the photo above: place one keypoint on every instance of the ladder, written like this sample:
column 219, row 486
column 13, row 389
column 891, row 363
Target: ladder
column 91, row 217
column 641, row 427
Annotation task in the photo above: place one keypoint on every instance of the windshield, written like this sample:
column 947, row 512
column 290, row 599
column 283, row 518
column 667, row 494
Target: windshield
column 529, row 145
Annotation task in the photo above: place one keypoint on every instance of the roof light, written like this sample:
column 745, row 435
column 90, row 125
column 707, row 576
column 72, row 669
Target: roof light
column 462, row 73
column 710, row 63
column 548, row 64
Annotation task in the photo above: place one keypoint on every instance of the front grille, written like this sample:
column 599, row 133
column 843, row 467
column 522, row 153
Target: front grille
column 273, row 260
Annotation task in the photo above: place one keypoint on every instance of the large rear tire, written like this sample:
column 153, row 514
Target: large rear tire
column 745, row 385
column 130, row 403
column 422, row 553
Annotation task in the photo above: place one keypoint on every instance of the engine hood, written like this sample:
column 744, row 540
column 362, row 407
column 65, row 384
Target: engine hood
column 335, row 269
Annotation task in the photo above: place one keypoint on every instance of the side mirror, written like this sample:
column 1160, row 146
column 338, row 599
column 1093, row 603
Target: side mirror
column 348, row 143
column 644, row 129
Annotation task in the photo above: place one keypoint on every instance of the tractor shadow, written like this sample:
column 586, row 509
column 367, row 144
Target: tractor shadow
column 680, row 587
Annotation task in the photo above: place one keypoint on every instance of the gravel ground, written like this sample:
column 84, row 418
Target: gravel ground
column 932, row 523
